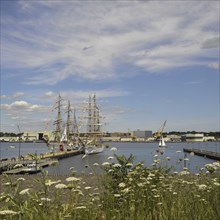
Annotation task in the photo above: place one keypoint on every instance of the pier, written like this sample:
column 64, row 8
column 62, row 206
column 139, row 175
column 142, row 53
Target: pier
column 203, row 153
column 42, row 160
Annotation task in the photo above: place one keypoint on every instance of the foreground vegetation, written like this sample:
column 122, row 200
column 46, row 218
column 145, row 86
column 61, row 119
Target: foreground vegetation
column 124, row 192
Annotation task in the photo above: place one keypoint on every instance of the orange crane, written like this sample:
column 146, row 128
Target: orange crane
column 159, row 132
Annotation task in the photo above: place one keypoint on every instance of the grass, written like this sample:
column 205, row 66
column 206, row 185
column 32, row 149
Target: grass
column 123, row 192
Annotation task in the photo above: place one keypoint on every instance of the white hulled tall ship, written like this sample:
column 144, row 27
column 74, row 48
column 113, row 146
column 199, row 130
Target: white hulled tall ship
column 93, row 136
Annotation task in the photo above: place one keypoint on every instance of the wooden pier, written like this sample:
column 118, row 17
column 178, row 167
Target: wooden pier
column 43, row 160
column 41, row 164
column 203, row 153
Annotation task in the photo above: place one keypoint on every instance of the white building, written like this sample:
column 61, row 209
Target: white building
column 194, row 137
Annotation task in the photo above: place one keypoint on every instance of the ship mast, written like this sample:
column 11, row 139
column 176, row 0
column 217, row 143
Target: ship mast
column 90, row 116
column 68, row 122
column 58, row 121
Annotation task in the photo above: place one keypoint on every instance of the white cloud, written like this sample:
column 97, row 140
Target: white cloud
column 4, row 97
column 89, row 40
column 23, row 106
column 18, row 94
column 50, row 94
column 215, row 65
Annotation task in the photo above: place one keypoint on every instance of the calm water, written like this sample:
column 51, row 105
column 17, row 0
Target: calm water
column 143, row 152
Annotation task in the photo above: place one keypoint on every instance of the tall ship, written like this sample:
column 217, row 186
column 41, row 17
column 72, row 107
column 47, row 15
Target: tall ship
column 63, row 138
column 93, row 135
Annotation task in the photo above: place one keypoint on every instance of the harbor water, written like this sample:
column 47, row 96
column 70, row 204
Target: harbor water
column 147, row 153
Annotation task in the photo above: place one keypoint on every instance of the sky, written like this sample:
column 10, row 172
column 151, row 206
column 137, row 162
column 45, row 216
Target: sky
column 146, row 61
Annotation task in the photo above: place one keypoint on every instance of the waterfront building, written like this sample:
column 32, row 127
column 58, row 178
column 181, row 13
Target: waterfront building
column 142, row 134
column 37, row 135
column 193, row 137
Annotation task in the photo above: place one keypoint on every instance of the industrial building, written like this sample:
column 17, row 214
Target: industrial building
column 142, row 134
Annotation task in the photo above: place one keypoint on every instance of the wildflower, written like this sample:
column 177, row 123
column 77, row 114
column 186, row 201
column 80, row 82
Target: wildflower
column 105, row 164
column 71, row 168
column 117, row 195
column 186, row 159
column 88, row 187
column 184, row 172
column 45, row 199
column 122, row 185
column 203, row 200
column 159, row 203
column 110, row 158
column 216, row 184
column 168, row 158
column 50, row 183
column 178, row 151
column 117, row 165
column 61, row 186
column 21, row 179
column 126, row 190
column 84, row 156
column 81, row 207
column 72, row 178
column 8, row 212
column 140, row 184
column 156, row 196
column 113, row 149
column 110, row 170
column 25, row 191
column 96, row 164
column 7, row 184
column 129, row 165
column 217, row 164
column 210, row 167
column 174, row 193
column 202, row 187
column 86, row 166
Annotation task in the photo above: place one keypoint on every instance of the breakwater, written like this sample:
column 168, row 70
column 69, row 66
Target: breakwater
column 203, row 153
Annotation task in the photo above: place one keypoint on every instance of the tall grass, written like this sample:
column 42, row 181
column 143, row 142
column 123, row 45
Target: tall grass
column 124, row 192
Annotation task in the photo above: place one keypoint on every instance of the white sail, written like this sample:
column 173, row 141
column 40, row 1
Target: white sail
column 64, row 135
column 162, row 142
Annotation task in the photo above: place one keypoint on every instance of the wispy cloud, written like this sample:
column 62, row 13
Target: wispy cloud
column 193, row 82
column 215, row 65
column 90, row 40
column 18, row 95
column 211, row 43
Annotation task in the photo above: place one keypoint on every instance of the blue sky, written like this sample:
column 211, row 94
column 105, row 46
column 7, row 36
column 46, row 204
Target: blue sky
column 146, row 61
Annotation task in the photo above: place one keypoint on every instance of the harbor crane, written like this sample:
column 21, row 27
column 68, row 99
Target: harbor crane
column 159, row 132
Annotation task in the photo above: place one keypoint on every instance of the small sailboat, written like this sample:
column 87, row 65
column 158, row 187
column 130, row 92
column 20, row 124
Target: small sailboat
column 162, row 142
column 162, row 145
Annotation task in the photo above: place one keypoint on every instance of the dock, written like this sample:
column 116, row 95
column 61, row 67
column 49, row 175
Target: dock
column 43, row 160
column 203, row 153
column 41, row 164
